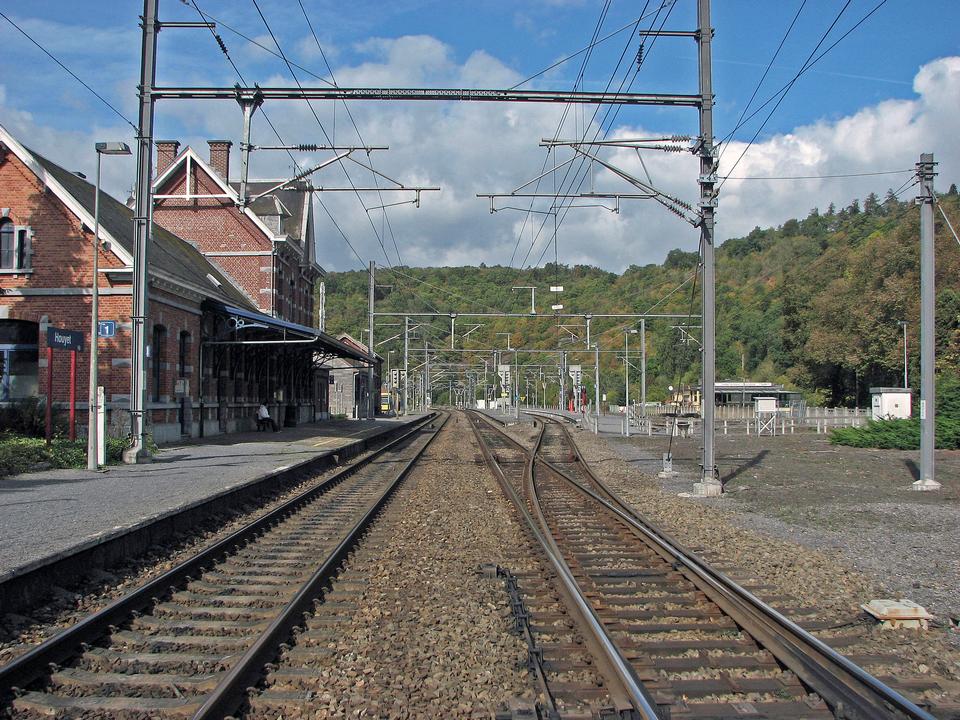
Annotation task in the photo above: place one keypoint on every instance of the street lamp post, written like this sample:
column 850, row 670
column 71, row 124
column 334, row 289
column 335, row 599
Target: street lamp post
column 93, row 444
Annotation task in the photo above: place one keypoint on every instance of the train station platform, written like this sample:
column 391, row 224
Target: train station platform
column 53, row 514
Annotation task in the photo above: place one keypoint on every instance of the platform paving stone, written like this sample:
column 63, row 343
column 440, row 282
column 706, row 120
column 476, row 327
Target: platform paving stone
column 45, row 514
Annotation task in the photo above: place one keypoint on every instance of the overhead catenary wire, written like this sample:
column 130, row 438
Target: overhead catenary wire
column 563, row 182
column 787, row 88
column 805, row 68
column 356, row 128
column 610, row 113
column 70, row 72
column 763, row 77
column 223, row 48
column 816, row 177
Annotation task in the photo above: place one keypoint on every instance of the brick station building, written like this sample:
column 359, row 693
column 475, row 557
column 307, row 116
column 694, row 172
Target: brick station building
column 231, row 312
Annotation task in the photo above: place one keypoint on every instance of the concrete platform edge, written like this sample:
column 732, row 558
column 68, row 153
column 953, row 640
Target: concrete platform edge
column 24, row 586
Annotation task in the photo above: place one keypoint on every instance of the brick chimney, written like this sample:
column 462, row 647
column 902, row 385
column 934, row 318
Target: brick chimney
column 166, row 152
column 220, row 157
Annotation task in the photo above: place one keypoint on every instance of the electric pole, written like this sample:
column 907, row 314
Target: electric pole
column 710, row 477
column 927, row 327
column 406, row 361
column 374, row 393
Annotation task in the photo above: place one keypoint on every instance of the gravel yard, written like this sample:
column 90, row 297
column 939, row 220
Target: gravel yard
column 811, row 520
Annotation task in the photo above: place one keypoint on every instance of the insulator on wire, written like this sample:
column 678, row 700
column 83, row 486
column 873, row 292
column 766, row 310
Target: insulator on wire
column 222, row 44
column 640, row 56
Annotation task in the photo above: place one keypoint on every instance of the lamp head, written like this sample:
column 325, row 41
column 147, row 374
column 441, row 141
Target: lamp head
column 113, row 148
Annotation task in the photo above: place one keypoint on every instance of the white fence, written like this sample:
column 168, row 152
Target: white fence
column 732, row 420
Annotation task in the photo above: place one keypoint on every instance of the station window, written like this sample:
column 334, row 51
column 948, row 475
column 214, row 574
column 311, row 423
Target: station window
column 159, row 355
column 14, row 246
column 19, row 373
column 184, row 353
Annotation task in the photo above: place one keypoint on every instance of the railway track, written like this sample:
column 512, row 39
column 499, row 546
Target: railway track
column 190, row 642
column 672, row 637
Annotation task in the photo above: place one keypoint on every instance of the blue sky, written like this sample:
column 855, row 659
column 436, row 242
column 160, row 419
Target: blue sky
column 840, row 117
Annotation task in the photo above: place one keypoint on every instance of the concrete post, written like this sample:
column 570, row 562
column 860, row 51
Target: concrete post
column 927, row 327
column 406, row 362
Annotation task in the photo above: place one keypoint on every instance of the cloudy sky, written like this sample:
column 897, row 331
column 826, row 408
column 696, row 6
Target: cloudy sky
column 878, row 98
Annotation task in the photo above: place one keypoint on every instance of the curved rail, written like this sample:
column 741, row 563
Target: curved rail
column 643, row 703
column 37, row 662
column 850, row 690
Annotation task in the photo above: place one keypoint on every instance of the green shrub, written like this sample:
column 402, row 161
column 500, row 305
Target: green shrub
column 20, row 454
column 905, row 434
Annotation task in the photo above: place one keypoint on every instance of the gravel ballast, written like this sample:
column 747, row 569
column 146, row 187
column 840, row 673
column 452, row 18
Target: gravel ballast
column 411, row 627
column 803, row 574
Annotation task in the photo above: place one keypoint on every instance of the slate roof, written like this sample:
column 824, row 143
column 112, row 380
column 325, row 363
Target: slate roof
column 169, row 253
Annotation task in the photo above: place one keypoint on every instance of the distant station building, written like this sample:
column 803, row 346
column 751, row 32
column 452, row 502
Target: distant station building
column 349, row 383
column 231, row 319
column 739, row 394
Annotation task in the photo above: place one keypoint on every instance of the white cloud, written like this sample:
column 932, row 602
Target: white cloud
column 470, row 148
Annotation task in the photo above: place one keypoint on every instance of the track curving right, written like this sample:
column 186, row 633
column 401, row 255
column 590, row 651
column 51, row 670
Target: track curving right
column 700, row 646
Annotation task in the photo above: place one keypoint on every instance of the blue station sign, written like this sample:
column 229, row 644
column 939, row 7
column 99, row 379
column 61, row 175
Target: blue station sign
column 106, row 328
column 64, row 339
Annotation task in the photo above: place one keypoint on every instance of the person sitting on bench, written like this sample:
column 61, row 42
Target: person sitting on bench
column 264, row 420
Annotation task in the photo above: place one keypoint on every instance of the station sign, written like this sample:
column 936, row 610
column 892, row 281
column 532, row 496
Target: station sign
column 106, row 328
column 64, row 339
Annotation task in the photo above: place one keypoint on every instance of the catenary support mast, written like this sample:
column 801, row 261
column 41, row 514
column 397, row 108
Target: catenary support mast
column 709, row 478
column 927, row 326
column 137, row 452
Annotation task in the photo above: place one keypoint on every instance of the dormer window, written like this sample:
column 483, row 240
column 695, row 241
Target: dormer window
column 15, row 246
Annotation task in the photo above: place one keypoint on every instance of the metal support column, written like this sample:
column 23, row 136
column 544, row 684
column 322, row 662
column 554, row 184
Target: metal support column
column 596, row 387
column 709, row 477
column 137, row 452
column 626, row 382
column 927, row 327
column 372, row 392
column 406, row 363
column 643, row 366
column 249, row 105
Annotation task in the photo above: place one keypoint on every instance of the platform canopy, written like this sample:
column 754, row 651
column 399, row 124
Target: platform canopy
column 241, row 319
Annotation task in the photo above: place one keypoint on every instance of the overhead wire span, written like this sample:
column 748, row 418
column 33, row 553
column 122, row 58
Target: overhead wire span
column 816, row 177
column 323, row 129
column 782, row 93
column 611, row 113
column 763, row 77
column 566, row 174
column 70, row 72
column 223, row 48
column 563, row 117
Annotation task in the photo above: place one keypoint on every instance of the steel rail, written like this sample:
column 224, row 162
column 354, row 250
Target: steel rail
column 839, row 681
column 229, row 693
column 36, row 662
column 642, row 701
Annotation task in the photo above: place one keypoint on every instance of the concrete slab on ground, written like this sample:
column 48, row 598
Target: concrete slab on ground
column 46, row 514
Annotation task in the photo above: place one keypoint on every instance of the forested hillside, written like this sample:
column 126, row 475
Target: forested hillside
column 814, row 303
